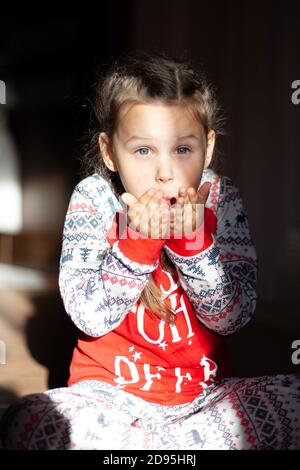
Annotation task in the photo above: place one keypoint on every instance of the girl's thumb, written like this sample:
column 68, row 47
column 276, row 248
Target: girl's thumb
column 128, row 199
column 204, row 191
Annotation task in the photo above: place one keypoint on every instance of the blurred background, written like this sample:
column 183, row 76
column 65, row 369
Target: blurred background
column 250, row 51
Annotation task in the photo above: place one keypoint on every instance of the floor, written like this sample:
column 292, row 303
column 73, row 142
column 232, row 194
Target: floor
column 36, row 335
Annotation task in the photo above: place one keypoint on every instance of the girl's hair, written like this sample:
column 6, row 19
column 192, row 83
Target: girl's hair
column 146, row 78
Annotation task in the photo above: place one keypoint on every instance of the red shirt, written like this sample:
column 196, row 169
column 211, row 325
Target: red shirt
column 145, row 356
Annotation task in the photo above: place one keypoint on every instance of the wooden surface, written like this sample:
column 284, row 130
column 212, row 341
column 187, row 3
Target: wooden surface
column 38, row 337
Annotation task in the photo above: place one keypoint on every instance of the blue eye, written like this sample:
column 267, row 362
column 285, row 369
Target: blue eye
column 184, row 148
column 142, row 148
column 143, row 151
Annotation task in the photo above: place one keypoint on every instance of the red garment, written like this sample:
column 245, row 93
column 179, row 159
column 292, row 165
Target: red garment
column 167, row 364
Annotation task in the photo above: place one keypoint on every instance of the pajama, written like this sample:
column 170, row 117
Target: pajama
column 137, row 382
column 254, row 413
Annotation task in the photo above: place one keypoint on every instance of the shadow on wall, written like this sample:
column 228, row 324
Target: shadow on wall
column 264, row 346
column 51, row 337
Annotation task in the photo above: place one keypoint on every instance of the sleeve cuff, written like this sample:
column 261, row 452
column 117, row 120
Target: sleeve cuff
column 197, row 241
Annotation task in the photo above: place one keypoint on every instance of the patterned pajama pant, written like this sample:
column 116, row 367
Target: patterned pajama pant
column 253, row 413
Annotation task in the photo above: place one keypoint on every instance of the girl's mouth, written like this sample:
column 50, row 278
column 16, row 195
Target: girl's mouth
column 170, row 201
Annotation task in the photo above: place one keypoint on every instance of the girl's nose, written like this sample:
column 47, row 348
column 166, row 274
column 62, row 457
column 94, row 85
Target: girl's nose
column 165, row 178
column 164, row 174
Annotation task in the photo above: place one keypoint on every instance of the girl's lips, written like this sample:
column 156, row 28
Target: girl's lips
column 170, row 201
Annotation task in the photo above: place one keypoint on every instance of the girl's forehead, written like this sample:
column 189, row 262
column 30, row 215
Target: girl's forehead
column 151, row 107
column 156, row 115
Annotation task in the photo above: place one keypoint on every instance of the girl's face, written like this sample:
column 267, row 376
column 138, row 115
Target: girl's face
column 158, row 146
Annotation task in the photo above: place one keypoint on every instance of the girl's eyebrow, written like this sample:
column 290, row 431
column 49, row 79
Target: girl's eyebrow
column 135, row 137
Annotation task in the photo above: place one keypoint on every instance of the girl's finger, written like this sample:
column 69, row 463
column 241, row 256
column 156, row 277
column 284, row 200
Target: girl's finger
column 172, row 213
column 152, row 225
column 128, row 199
column 154, row 203
column 146, row 197
column 194, row 204
column 164, row 221
column 179, row 202
column 204, row 192
column 187, row 218
column 192, row 195
column 183, row 194
column 199, row 214
column 161, row 214
column 152, row 214
column 158, row 219
column 181, row 191
column 139, row 211
column 178, row 219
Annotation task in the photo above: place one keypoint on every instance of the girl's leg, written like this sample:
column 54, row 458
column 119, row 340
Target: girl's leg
column 67, row 418
column 255, row 413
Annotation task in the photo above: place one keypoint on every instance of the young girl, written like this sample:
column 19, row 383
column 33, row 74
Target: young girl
column 154, row 281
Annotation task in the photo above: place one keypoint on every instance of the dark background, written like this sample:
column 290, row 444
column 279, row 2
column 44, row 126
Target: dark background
column 250, row 51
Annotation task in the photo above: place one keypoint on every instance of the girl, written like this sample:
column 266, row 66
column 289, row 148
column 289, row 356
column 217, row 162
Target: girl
column 157, row 266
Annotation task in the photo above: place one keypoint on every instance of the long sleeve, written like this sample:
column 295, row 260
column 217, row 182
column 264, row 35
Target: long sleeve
column 220, row 280
column 99, row 280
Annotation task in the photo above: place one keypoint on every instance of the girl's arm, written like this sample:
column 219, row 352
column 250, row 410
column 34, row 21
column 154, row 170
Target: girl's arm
column 220, row 280
column 99, row 280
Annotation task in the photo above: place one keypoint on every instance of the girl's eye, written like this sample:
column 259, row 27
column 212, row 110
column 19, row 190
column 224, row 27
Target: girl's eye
column 183, row 148
column 143, row 153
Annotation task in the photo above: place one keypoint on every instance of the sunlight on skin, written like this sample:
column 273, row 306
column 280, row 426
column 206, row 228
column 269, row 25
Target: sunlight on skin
column 175, row 151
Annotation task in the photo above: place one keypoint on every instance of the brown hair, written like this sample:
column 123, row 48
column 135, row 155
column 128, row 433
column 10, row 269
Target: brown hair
column 143, row 78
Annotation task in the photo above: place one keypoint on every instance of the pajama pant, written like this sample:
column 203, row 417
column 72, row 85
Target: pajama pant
column 235, row 413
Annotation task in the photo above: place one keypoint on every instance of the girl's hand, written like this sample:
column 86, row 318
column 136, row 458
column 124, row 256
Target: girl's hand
column 148, row 214
column 187, row 214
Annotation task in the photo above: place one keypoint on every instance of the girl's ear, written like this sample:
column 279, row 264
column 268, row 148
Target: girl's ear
column 106, row 152
column 211, row 138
